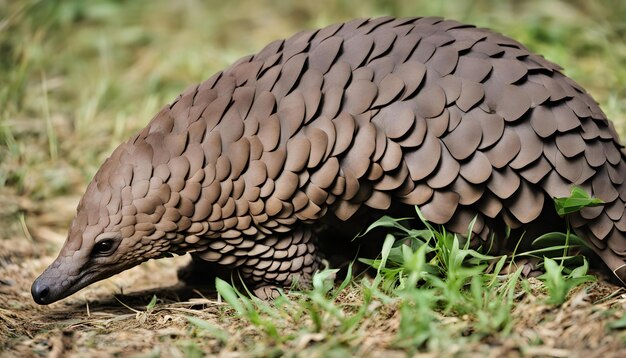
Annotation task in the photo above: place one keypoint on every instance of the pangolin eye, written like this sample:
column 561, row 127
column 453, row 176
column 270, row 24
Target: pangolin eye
column 104, row 247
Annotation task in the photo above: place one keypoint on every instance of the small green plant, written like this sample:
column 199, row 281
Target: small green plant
column 151, row 304
column 577, row 200
column 432, row 275
column 141, row 316
column 559, row 284
column 559, row 279
column 251, row 309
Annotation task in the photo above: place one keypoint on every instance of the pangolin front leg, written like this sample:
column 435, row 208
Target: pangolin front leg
column 284, row 260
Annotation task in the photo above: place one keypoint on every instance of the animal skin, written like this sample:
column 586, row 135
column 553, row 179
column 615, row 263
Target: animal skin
column 354, row 118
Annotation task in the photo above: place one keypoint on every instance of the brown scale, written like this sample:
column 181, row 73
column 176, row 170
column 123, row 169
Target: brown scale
column 343, row 123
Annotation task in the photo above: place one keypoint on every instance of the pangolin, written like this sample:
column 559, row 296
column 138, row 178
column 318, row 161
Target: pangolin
column 359, row 117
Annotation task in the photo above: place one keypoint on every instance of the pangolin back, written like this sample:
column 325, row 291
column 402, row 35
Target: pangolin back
column 462, row 122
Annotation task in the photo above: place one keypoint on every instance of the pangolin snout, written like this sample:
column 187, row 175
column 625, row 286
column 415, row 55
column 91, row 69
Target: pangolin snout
column 56, row 282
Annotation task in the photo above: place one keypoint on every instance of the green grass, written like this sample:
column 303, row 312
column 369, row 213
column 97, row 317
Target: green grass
column 426, row 275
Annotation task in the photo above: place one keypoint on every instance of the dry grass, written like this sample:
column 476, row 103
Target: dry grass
column 79, row 77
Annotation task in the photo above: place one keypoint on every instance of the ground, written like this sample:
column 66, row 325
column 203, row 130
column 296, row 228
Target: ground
column 80, row 77
column 110, row 318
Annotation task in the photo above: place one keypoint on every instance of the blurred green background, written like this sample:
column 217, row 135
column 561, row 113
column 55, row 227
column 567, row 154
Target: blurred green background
column 78, row 77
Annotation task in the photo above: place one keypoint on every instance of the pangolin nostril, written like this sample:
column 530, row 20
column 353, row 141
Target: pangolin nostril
column 44, row 292
column 40, row 292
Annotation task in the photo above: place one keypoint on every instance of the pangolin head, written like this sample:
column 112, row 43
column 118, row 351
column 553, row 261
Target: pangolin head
column 121, row 221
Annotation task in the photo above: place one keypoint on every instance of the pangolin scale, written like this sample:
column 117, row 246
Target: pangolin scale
column 355, row 117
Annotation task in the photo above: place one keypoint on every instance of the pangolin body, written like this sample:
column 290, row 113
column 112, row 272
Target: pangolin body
column 354, row 117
